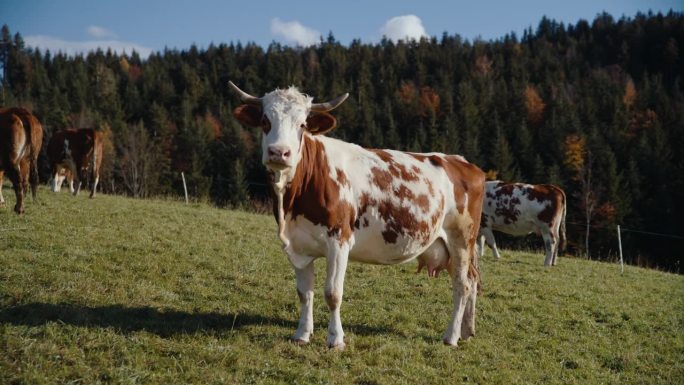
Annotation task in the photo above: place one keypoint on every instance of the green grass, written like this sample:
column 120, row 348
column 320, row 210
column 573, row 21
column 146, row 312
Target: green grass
column 115, row 290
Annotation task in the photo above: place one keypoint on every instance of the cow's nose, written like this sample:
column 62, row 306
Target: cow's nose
column 277, row 153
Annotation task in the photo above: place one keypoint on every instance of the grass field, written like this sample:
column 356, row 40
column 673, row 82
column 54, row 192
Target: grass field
column 122, row 291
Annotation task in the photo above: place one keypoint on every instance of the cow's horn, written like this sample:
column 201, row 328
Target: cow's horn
column 245, row 97
column 331, row 105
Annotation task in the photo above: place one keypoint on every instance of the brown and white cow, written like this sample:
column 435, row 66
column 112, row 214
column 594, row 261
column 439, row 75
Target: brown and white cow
column 521, row 209
column 63, row 174
column 75, row 154
column 21, row 137
column 339, row 201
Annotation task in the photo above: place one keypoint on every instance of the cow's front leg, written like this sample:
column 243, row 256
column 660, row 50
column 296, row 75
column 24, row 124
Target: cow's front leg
column 334, row 289
column 464, row 298
column 305, row 286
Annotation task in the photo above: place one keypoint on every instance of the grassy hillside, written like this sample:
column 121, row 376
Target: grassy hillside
column 114, row 290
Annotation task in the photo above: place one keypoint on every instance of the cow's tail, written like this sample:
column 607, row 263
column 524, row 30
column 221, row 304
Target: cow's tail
column 563, row 238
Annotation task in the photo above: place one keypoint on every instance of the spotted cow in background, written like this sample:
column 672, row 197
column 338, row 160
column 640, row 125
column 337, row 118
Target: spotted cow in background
column 75, row 155
column 339, row 201
column 521, row 209
column 21, row 137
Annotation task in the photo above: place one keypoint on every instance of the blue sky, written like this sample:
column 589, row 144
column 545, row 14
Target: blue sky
column 151, row 25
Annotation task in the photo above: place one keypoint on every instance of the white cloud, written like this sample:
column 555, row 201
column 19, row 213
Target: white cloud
column 407, row 27
column 55, row 45
column 100, row 32
column 295, row 32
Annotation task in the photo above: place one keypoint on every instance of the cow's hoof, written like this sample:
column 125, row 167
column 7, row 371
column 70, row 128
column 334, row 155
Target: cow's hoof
column 299, row 341
column 339, row 346
column 448, row 342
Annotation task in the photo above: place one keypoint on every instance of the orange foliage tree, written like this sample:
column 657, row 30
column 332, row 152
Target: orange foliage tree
column 534, row 105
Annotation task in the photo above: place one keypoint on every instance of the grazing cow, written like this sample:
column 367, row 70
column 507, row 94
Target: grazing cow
column 339, row 201
column 63, row 174
column 520, row 209
column 76, row 155
column 21, row 137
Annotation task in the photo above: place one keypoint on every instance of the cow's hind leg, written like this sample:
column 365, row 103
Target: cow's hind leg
column 491, row 242
column 305, row 286
column 34, row 179
column 14, row 174
column 462, row 323
column 93, row 189
column 550, row 244
column 556, row 246
column 334, row 289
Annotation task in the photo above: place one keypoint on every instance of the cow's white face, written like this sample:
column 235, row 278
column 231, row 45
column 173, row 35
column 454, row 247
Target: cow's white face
column 284, row 121
column 284, row 116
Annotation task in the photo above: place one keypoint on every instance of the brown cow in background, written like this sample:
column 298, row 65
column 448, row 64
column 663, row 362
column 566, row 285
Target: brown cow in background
column 77, row 155
column 21, row 137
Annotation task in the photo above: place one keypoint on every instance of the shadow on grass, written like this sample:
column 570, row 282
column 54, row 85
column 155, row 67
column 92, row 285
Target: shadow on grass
column 160, row 322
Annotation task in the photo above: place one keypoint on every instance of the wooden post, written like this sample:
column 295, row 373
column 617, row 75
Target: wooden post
column 622, row 265
column 185, row 188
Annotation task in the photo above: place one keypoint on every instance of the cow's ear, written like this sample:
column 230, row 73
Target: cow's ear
column 249, row 115
column 320, row 122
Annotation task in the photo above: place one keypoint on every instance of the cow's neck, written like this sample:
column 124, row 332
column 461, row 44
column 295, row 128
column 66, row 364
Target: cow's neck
column 309, row 181
column 305, row 190
column 288, row 185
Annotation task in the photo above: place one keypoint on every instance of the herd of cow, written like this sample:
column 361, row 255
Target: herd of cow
column 339, row 201
column 74, row 154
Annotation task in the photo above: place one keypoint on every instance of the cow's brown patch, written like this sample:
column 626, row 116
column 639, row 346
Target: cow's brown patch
column 404, row 193
column 381, row 178
column 505, row 189
column 550, row 194
column 342, row 177
column 423, row 202
column 438, row 212
column 396, row 169
column 399, row 220
column 508, row 210
column 315, row 196
column 431, row 189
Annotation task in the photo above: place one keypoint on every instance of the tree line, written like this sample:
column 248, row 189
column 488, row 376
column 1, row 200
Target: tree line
column 594, row 107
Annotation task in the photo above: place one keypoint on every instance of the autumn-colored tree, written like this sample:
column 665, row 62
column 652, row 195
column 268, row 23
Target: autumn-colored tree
column 429, row 102
column 483, row 65
column 534, row 106
column 491, row 175
column 579, row 161
column 630, row 94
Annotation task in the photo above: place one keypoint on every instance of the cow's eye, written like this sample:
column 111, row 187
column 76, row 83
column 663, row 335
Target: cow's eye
column 303, row 125
column 265, row 125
